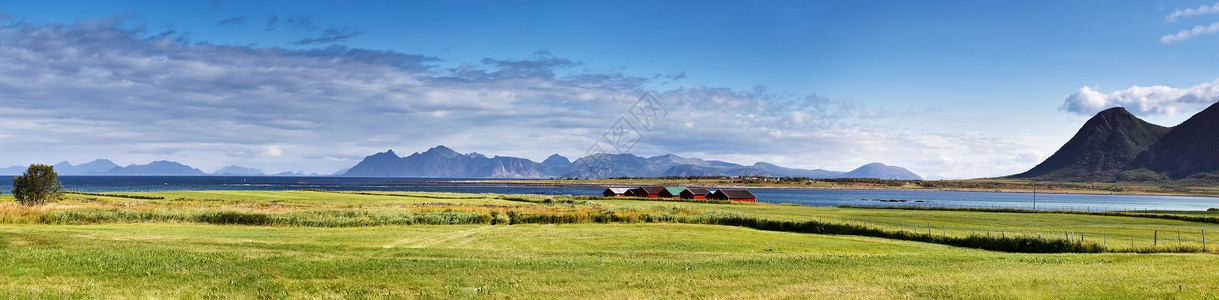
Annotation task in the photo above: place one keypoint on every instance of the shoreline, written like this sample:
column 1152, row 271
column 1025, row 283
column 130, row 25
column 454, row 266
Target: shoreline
column 718, row 186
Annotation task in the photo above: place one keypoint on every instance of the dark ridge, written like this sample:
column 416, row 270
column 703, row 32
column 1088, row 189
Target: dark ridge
column 1190, row 149
column 1106, row 145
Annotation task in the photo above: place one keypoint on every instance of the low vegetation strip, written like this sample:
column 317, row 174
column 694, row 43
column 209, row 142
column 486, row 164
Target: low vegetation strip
column 117, row 195
column 1025, row 244
column 378, row 217
column 412, row 195
column 1178, row 217
column 423, row 215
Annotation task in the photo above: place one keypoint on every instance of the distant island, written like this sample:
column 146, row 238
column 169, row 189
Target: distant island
column 441, row 161
column 156, row 168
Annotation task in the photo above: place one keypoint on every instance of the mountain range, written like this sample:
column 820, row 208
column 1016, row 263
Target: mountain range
column 1115, row 145
column 64, row 168
column 107, row 167
column 442, row 162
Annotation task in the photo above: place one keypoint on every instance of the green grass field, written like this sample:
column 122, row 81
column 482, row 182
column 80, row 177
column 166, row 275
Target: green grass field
column 122, row 257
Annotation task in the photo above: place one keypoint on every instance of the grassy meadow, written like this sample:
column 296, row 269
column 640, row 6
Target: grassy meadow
column 314, row 244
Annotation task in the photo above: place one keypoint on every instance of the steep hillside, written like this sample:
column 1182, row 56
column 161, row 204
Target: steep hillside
column 1106, row 145
column 1191, row 148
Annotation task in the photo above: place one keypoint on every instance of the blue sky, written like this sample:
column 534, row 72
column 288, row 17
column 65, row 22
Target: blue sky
column 946, row 89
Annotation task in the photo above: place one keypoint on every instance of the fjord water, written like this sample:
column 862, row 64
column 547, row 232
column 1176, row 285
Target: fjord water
column 810, row 197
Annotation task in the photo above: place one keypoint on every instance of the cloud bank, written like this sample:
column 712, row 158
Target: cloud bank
column 105, row 89
column 1145, row 101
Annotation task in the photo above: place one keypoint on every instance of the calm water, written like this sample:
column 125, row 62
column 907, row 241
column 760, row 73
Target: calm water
column 818, row 197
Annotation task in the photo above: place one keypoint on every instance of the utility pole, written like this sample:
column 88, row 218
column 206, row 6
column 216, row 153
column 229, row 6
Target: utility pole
column 1034, row 196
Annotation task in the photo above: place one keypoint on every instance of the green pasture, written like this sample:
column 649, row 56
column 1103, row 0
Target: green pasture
column 181, row 258
column 556, row 261
column 1114, row 231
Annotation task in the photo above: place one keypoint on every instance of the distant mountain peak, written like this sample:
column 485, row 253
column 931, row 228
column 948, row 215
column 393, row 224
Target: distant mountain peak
column 94, row 167
column 443, row 151
column 237, row 170
column 556, row 161
column 881, row 171
column 440, row 161
column 160, row 167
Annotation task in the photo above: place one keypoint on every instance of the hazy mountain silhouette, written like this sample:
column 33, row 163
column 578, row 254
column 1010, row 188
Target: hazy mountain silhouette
column 160, row 167
column 881, row 171
column 444, row 162
column 237, row 170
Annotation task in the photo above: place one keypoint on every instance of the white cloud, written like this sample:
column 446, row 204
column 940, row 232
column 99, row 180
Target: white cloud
column 273, row 152
column 944, row 159
column 1189, row 33
column 1201, row 10
column 1030, row 157
column 1144, row 101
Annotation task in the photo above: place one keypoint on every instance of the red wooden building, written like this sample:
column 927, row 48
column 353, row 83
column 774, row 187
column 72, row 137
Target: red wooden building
column 648, row 191
column 695, row 193
column 733, row 195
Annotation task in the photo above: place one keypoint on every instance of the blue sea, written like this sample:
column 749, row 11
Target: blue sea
column 810, row 197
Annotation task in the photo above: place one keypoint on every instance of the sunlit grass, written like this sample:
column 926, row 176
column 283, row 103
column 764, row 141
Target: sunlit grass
column 340, row 209
column 556, row 261
column 329, row 244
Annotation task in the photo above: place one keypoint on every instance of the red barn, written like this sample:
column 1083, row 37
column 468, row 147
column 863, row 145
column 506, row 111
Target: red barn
column 648, row 191
column 733, row 195
column 695, row 193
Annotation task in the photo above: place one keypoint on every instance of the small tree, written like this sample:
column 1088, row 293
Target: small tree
column 37, row 185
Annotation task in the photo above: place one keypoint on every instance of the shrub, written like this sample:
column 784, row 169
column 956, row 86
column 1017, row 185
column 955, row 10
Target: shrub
column 37, row 185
